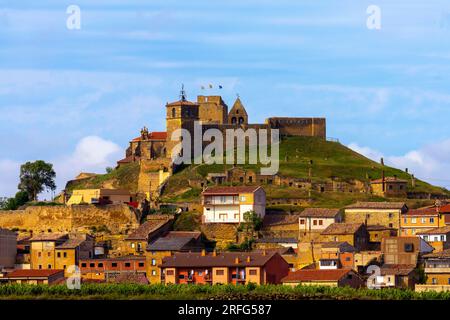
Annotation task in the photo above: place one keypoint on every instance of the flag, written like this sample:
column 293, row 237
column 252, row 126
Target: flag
column 220, row 87
column 210, row 86
column 203, row 87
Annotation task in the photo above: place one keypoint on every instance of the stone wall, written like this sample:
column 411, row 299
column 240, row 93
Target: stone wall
column 117, row 218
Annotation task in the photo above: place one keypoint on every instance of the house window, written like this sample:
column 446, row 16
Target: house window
column 253, row 272
column 423, row 220
column 174, row 112
column 409, row 247
column 127, row 264
column 320, row 222
column 390, row 225
column 425, row 238
column 405, row 220
column 65, row 254
column 414, row 220
column 49, row 266
column 154, row 273
column 391, row 215
column 200, row 273
column 92, row 265
column 243, row 198
column 431, row 220
column 302, row 221
column 40, row 266
column 390, row 187
column 219, row 272
column 39, row 254
column 83, row 265
column 170, row 272
column 132, row 245
column 347, row 258
column 236, row 216
column 114, row 264
column 100, row 265
column 223, row 216
column 181, row 276
column 48, row 254
column 434, row 281
column 58, row 254
column 315, row 222
column 140, row 264
column 153, row 262
column 442, row 238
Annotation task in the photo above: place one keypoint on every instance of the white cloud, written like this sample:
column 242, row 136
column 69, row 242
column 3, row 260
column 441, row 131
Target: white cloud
column 430, row 163
column 91, row 154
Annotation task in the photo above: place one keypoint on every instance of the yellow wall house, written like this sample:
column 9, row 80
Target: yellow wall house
column 389, row 187
column 228, row 204
column 60, row 251
column 376, row 213
column 437, row 268
column 100, row 196
column 416, row 221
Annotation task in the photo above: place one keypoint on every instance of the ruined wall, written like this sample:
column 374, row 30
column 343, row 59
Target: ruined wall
column 117, row 218
column 292, row 126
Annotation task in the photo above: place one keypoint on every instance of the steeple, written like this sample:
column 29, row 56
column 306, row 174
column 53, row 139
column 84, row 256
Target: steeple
column 238, row 115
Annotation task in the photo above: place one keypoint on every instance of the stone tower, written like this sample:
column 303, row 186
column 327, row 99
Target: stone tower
column 180, row 114
column 212, row 109
column 237, row 114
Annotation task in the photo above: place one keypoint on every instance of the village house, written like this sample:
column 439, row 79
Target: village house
column 228, row 204
column 318, row 219
column 287, row 253
column 414, row 221
column 396, row 276
column 404, row 250
column 111, row 269
column 389, row 187
column 60, row 251
column 376, row 213
column 99, row 196
column 354, row 233
column 8, row 248
column 154, row 227
column 169, row 244
column 33, row 276
column 438, row 238
column 336, row 255
column 225, row 268
column 437, row 268
column 377, row 233
column 277, row 225
column 331, row 278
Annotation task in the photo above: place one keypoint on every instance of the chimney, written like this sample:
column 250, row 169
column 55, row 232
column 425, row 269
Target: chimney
column 406, row 170
column 236, row 261
column 248, row 258
column 413, row 181
column 383, row 181
column 214, row 253
column 203, row 252
column 264, row 253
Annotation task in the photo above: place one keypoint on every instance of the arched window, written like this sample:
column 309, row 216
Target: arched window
column 241, row 120
column 174, row 112
column 233, row 120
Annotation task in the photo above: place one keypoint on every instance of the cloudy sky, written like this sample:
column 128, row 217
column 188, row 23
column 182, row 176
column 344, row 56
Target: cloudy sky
column 75, row 97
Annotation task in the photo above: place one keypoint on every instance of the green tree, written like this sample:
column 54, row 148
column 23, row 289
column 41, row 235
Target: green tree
column 253, row 222
column 109, row 169
column 15, row 202
column 35, row 177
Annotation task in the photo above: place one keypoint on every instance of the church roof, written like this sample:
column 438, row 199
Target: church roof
column 238, row 106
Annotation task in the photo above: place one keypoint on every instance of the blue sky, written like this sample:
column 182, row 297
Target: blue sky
column 76, row 97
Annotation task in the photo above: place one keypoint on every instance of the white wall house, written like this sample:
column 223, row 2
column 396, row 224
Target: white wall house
column 228, row 204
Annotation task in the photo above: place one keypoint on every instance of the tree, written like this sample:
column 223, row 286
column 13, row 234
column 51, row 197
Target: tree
column 15, row 202
column 35, row 177
column 253, row 221
column 109, row 169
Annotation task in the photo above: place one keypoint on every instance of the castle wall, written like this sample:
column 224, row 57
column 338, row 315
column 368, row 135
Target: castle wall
column 117, row 218
column 212, row 109
column 291, row 126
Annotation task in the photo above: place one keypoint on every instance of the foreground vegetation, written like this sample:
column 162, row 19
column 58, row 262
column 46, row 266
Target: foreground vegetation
column 218, row 292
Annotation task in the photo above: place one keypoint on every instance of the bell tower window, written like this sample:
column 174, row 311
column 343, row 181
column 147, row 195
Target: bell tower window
column 174, row 112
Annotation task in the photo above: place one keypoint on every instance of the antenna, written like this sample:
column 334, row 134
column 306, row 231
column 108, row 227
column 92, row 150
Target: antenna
column 182, row 93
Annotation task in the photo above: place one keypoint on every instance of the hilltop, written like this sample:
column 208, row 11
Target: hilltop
column 326, row 160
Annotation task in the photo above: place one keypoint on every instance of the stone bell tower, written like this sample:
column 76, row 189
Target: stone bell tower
column 180, row 114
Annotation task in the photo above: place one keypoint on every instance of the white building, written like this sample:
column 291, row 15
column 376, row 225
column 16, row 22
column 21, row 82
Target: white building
column 228, row 204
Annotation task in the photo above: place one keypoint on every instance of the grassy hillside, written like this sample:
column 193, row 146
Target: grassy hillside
column 329, row 159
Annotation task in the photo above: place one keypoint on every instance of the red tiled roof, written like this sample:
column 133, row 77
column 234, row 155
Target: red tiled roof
column 421, row 212
column 445, row 209
column 342, row 228
column 397, row 269
column 182, row 103
column 319, row 212
column 146, row 228
column 157, row 135
column 309, row 275
column 230, row 190
column 33, row 273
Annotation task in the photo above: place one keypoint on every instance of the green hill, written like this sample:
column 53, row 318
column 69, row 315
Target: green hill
column 329, row 160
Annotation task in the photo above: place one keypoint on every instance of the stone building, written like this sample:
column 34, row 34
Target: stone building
column 376, row 213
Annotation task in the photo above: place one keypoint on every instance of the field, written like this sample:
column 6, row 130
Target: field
column 216, row 292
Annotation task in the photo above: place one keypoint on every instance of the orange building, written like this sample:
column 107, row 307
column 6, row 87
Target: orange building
column 224, row 268
column 33, row 276
column 414, row 221
column 113, row 268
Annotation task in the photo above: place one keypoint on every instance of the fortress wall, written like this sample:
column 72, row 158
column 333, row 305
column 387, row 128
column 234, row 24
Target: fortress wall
column 69, row 218
column 312, row 127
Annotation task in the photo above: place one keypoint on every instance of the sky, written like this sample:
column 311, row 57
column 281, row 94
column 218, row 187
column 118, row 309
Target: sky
column 75, row 97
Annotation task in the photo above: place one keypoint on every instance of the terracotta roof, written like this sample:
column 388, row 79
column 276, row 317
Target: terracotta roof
column 421, row 212
column 49, row 237
column 397, row 269
column 279, row 219
column 223, row 259
column 310, row 275
column 70, row 244
column 445, row 208
column 440, row 230
column 181, row 103
column 376, row 205
column 390, row 180
column 343, row 246
column 342, row 228
column 174, row 241
column 377, row 227
column 230, row 190
column 319, row 212
column 441, row 254
column 145, row 229
column 157, row 135
column 33, row 273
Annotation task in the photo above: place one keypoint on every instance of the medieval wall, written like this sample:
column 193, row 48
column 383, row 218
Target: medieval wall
column 117, row 218
column 291, row 126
